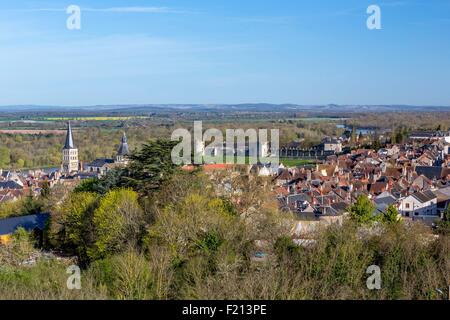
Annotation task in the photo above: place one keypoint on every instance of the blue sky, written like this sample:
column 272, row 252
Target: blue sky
column 227, row 51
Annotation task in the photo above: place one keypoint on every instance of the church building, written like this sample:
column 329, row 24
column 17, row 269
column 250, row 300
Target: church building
column 71, row 164
column 103, row 165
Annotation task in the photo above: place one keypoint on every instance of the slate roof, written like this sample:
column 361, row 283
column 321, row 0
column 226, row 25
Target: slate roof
column 335, row 209
column 6, row 173
column 292, row 199
column 123, row 149
column 339, row 207
column 29, row 223
column 10, row 185
column 382, row 203
column 432, row 172
column 388, row 200
column 422, row 134
column 443, row 196
column 69, row 139
column 98, row 163
column 424, row 196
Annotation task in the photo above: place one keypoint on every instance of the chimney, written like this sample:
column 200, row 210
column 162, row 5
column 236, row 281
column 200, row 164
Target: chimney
column 308, row 175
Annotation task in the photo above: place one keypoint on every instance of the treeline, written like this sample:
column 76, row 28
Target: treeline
column 410, row 120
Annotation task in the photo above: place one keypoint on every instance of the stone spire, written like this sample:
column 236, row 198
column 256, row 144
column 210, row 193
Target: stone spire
column 69, row 139
column 123, row 149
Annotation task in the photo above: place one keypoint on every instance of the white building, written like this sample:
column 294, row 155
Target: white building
column 419, row 205
column 332, row 144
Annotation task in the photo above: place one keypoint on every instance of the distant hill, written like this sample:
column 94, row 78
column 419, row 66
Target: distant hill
column 252, row 107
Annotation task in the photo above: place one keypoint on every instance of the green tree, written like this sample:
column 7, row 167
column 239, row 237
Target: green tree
column 113, row 179
column 87, row 185
column 391, row 215
column 31, row 205
column 362, row 210
column 71, row 227
column 45, row 192
column 285, row 246
column 20, row 163
column 151, row 166
column 5, row 157
column 117, row 221
column 376, row 145
column 443, row 226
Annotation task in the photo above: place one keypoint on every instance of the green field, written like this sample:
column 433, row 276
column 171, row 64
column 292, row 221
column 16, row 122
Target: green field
column 296, row 162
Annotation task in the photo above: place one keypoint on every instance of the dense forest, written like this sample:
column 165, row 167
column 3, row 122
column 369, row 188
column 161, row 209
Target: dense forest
column 153, row 231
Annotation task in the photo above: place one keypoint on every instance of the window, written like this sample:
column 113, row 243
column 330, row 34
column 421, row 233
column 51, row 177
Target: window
column 407, row 205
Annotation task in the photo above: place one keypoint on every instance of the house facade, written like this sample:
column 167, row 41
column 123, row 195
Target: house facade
column 332, row 145
column 419, row 205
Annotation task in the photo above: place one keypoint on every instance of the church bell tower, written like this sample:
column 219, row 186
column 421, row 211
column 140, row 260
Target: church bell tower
column 70, row 154
column 123, row 151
